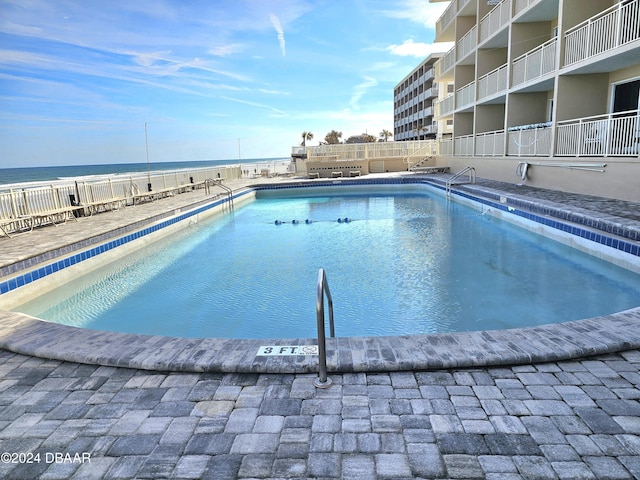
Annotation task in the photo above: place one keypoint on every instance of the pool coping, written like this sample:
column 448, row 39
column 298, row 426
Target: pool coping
column 606, row 334
column 617, row 332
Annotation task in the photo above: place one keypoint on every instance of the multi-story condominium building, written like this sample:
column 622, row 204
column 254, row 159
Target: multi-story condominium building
column 547, row 90
column 413, row 101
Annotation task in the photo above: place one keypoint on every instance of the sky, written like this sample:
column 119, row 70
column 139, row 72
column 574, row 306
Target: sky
column 81, row 81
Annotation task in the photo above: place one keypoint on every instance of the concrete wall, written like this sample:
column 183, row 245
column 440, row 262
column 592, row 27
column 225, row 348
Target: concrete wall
column 613, row 183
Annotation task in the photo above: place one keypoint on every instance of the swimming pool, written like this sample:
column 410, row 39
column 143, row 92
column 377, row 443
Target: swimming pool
column 408, row 261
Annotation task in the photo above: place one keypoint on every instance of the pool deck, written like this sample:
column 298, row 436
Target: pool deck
column 549, row 402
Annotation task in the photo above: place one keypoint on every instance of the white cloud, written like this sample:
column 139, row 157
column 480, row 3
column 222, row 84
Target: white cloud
column 418, row 11
column 225, row 50
column 409, row 48
column 275, row 21
column 360, row 89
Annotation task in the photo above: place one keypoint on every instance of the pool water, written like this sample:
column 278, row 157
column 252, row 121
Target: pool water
column 404, row 263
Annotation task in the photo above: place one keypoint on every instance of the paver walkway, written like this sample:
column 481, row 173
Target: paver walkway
column 567, row 420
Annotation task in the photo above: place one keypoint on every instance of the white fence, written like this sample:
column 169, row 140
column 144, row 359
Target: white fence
column 465, row 96
column 497, row 18
column 463, row 146
column 535, row 63
column 370, row 151
column 615, row 134
column 26, row 208
column 530, row 140
column 490, row 143
column 493, row 82
column 614, row 27
column 467, row 44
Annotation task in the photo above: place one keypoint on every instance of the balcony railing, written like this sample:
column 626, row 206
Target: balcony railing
column 612, row 28
column 367, row 151
column 463, row 146
column 445, row 63
column 449, row 14
column 535, row 63
column 614, row 134
column 467, row 44
column 490, row 143
column 493, row 82
column 530, row 140
column 465, row 96
column 497, row 18
column 445, row 147
column 446, row 106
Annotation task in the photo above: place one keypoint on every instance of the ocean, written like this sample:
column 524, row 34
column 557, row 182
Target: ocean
column 12, row 176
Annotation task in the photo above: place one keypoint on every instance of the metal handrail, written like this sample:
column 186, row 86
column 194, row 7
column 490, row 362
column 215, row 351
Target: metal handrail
column 472, row 177
column 322, row 289
column 210, row 181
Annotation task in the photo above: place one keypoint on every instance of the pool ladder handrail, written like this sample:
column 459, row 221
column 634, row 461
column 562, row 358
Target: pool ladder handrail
column 322, row 290
column 210, row 181
column 466, row 170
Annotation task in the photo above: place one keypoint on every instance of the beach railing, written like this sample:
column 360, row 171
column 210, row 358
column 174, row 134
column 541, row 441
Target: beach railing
column 22, row 209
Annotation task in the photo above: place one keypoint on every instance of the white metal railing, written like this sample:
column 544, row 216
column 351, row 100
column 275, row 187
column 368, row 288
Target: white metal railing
column 614, row 134
column 445, row 147
column 365, row 151
column 444, row 106
column 447, row 17
column 535, row 63
column 530, row 140
column 465, row 96
column 493, row 82
column 467, row 43
column 490, row 143
column 611, row 28
column 23, row 208
column 463, row 146
column 446, row 62
column 495, row 20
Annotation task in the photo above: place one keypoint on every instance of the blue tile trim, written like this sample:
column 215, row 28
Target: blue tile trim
column 599, row 237
column 41, row 272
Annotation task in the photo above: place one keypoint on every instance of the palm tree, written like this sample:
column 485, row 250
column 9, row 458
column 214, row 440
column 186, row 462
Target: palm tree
column 333, row 137
column 385, row 134
column 306, row 136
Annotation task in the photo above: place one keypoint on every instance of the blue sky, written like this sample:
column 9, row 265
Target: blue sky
column 79, row 79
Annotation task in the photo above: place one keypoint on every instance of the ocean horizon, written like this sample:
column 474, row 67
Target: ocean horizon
column 19, row 175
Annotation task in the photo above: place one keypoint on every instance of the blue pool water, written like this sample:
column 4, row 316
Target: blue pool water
column 405, row 263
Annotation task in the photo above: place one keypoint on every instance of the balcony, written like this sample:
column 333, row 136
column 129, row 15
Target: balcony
column 467, row 44
column 444, row 25
column 610, row 135
column 463, row 146
column 465, row 96
column 490, row 144
column 611, row 29
column 445, row 63
column 495, row 20
column 493, row 82
column 530, row 140
column 535, row 63
column 445, row 107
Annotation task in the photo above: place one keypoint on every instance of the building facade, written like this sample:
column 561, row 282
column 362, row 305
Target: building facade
column 546, row 92
column 413, row 100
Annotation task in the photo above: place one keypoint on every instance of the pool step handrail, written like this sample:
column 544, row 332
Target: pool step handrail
column 470, row 171
column 210, row 181
column 322, row 290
